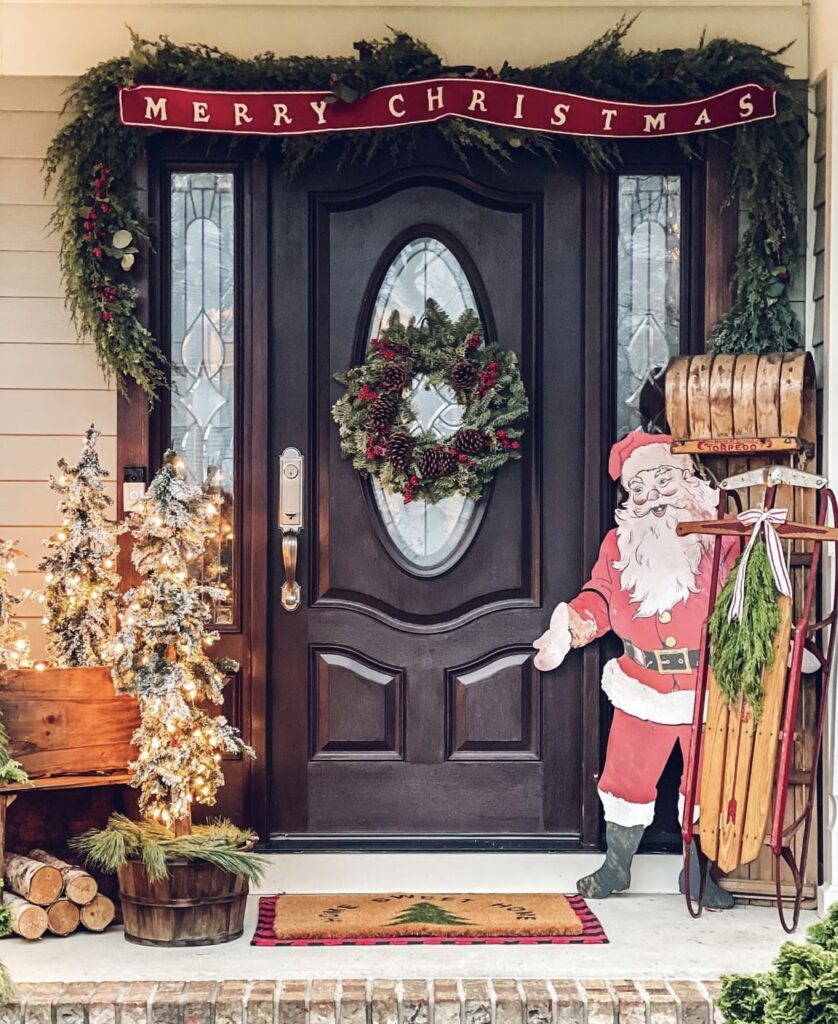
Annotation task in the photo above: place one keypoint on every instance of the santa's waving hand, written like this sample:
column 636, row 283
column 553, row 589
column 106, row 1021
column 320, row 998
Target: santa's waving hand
column 650, row 587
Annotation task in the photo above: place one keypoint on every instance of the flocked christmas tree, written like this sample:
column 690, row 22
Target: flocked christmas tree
column 159, row 654
column 14, row 643
column 14, row 653
column 81, row 582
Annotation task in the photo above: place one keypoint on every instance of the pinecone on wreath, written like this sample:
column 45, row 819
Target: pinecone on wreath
column 470, row 442
column 437, row 462
column 393, row 378
column 383, row 411
column 399, row 450
column 463, row 375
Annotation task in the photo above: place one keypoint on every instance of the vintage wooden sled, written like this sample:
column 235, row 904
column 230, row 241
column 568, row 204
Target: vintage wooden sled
column 738, row 770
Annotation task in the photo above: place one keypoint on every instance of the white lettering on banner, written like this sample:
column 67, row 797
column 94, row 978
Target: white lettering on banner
column 319, row 107
column 478, row 100
column 703, row 117
column 199, row 113
column 156, row 108
column 559, row 114
column 435, row 99
column 281, row 114
column 519, row 106
column 391, row 104
column 746, row 108
column 240, row 114
column 608, row 114
column 656, row 122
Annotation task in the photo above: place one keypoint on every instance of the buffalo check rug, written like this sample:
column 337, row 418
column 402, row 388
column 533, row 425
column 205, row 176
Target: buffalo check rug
column 403, row 919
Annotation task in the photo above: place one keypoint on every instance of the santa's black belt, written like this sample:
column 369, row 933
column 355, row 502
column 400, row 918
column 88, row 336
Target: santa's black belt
column 668, row 660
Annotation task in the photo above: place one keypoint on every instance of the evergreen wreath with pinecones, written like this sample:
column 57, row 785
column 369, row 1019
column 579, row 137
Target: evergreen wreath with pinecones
column 378, row 424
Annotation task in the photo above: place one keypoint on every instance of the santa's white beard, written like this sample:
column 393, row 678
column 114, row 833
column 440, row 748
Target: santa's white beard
column 657, row 566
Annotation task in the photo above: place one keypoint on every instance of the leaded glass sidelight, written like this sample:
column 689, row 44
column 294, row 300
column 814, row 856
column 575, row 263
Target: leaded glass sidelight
column 648, row 294
column 202, row 317
column 426, row 536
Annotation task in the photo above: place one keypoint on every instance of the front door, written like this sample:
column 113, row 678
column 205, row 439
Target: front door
column 404, row 702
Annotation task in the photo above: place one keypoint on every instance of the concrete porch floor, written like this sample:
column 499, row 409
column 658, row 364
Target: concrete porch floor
column 651, row 936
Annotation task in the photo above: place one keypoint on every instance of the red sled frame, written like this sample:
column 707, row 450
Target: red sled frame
column 815, row 636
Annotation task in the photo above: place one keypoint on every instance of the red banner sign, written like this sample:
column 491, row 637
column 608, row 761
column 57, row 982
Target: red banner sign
column 490, row 101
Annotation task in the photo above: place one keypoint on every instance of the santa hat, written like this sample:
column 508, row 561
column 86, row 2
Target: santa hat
column 638, row 451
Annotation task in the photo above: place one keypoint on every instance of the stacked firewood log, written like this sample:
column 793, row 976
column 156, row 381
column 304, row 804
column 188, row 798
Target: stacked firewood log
column 47, row 894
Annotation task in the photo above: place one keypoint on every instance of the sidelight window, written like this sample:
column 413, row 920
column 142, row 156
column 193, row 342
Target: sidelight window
column 202, row 320
column 425, row 536
column 649, row 248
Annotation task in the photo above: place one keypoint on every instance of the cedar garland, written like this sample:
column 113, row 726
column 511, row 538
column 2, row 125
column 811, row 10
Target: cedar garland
column 742, row 649
column 92, row 159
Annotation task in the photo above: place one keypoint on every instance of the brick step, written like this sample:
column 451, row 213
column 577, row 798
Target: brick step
column 477, row 1001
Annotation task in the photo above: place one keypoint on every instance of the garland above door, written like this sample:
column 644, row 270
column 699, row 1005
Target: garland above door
column 735, row 91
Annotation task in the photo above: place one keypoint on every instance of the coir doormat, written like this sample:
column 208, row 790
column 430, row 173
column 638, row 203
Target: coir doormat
column 404, row 919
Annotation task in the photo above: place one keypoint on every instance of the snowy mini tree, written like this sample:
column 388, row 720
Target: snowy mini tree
column 81, row 580
column 14, row 643
column 159, row 653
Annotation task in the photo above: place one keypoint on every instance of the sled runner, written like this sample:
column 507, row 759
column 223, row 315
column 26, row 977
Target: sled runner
column 737, row 768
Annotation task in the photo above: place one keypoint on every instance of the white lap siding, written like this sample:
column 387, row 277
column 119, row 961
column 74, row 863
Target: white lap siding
column 50, row 386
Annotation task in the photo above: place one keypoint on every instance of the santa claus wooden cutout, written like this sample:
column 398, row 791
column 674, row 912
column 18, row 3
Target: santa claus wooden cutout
column 650, row 587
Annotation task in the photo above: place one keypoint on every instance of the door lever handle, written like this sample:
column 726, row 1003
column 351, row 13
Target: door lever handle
column 291, row 592
column 290, row 523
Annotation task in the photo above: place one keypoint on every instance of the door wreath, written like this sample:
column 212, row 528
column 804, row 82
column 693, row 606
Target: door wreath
column 377, row 420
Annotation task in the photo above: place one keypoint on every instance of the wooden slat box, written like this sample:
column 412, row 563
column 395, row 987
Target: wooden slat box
column 66, row 722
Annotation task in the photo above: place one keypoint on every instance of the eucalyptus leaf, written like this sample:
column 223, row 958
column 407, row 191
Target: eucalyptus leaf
column 122, row 238
column 127, row 261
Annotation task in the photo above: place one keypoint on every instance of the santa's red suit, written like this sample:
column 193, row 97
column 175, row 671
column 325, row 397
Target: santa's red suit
column 652, row 684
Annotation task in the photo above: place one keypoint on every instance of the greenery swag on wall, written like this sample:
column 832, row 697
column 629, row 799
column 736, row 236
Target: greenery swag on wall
column 92, row 161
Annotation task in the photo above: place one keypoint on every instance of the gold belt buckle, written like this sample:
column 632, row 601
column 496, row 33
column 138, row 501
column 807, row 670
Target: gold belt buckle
column 666, row 660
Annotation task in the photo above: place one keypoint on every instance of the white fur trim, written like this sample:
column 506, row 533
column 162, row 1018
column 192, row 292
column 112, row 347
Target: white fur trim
column 650, row 456
column 622, row 812
column 641, row 701
column 696, row 810
column 553, row 645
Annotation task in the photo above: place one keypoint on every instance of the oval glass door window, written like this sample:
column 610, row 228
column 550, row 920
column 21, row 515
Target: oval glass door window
column 426, row 536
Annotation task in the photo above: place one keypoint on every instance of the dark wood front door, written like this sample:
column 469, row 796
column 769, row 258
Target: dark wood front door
column 403, row 697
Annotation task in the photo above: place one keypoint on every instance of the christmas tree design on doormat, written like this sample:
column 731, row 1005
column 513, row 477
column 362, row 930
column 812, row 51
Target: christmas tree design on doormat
column 427, row 913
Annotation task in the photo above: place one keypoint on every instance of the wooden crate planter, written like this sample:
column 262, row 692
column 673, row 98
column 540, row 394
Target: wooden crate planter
column 68, row 722
column 197, row 905
column 742, row 405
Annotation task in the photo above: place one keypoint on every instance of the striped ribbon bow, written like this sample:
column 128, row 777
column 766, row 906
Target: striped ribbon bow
column 765, row 521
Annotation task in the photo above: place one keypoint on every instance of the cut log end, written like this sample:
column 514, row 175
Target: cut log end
column 79, row 885
column 27, row 921
column 36, row 882
column 98, row 914
column 63, row 917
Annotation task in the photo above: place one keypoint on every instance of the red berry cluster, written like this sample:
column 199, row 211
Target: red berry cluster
column 383, row 348
column 503, row 437
column 367, row 393
column 375, row 447
column 410, row 489
column 473, row 342
column 488, row 378
column 95, row 231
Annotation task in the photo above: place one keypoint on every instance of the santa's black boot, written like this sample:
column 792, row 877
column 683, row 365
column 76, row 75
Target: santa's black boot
column 715, row 898
column 615, row 874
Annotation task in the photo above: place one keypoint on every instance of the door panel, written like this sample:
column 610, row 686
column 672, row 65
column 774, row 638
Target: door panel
column 403, row 701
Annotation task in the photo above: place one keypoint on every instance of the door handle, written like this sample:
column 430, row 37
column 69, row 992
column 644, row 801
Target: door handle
column 291, row 465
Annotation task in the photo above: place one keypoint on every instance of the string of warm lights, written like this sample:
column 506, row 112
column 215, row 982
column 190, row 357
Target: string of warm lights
column 160, row 654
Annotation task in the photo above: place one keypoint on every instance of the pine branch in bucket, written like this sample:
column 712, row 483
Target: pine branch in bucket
column 219, row 842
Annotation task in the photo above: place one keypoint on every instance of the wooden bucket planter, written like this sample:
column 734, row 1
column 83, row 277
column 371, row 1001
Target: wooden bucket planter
column 199, row 904
column 742, row 405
